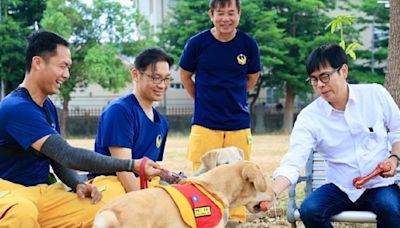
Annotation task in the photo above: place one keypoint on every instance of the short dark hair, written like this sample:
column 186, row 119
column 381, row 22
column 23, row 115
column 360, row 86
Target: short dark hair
column 44, row 44
column 222, row 3
column 325, row 55
column 151, row 56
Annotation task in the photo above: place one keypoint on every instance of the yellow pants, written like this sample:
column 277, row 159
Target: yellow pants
column 44, row 206
column 202, row 140
column 113, row 188
column 52, row 206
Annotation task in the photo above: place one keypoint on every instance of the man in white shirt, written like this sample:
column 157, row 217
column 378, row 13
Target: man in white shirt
column 354, row 128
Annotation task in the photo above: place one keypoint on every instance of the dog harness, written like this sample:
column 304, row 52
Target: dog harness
column 198, row 208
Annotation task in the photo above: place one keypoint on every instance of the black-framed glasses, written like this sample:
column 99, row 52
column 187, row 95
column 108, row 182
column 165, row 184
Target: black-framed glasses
column 156, row 79
column 324, row 77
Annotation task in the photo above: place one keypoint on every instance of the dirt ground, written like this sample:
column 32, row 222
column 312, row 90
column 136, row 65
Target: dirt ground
column 268, row 150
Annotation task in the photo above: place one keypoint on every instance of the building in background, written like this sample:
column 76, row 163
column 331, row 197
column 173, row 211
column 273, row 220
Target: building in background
column 156, row 11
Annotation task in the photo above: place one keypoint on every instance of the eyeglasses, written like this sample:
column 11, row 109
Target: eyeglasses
column 324, row 77
column 157, row 79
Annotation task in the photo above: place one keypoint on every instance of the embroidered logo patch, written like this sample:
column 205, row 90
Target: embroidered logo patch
column 195, row 199
column 241, row 59
column 249, row 139
column 158, row 141
column 202, row 211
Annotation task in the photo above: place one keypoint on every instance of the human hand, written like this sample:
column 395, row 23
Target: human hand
column 151, row 168
column 382, row 168
column 392, row 162
column 269, row 204
column 169, row 177
column 90, row 191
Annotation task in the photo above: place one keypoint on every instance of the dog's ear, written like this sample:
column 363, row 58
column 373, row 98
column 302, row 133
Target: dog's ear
column 252, row 173
column 210, row 159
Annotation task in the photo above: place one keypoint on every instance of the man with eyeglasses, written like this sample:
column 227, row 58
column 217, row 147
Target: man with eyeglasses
column 130, row 127
column 351, row 126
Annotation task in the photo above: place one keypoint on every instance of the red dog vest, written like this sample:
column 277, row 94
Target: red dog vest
column 198, row 208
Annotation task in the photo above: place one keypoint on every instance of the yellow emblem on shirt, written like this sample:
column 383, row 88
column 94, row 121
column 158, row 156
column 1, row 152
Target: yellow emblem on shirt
column 241, row 59
column 158, row 141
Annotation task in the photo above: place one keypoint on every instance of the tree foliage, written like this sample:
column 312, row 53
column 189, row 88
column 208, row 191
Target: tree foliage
column 371, row 64
column 103, row 65
column 339, row 23
column 17, row 18
column 184, row 21
column 12, row 53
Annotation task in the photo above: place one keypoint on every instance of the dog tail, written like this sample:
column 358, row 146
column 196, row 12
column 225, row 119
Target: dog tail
column 106, row 219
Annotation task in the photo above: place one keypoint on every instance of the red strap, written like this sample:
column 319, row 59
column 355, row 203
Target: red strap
column 142, row 174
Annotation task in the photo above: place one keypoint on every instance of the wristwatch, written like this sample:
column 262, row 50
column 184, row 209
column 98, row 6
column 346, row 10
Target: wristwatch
column 395, row 155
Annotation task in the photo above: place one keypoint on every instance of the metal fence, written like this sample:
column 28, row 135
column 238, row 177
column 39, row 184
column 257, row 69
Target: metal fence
column 84, row 121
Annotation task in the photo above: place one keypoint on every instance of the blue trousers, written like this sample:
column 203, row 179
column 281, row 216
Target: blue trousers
column 329, row 200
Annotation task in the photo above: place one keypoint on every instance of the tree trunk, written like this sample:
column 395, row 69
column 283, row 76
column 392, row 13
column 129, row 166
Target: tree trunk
column 392, row 79
column 64, row 117
column 288, row 110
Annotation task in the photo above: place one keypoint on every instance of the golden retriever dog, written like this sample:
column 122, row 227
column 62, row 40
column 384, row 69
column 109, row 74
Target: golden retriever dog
column 233, row 185
column 220, row 156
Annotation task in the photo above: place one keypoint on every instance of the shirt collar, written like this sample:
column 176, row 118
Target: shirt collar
column 328, row 109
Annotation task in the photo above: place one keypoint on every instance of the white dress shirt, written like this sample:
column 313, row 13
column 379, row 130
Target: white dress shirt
column 352, row 142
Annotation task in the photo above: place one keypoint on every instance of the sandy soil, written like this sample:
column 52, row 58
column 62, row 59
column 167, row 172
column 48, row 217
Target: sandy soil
column 267, row 151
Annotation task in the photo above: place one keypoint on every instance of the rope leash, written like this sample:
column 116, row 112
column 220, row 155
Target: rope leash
column 142, row 174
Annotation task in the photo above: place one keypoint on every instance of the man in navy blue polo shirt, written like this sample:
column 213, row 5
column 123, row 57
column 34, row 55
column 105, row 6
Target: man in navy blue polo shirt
column 30, row 142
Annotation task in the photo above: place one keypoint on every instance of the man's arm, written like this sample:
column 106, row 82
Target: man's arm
column 394, row 160
column 280, row 184
column 187, row 81
column 56, row 148
column 73, row 180
column 252, row 80
column 128, row 180
column 68, row 176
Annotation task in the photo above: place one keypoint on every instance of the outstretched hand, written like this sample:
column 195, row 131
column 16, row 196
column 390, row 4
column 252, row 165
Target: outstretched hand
column 89, row 191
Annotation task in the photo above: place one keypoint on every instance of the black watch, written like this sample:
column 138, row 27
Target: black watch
column 395, row 155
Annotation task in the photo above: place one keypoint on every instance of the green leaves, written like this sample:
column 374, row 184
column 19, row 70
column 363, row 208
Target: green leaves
column 184, row 21
column 338, row 23
column 17, row 18
column 104, row 66
column 350, row 49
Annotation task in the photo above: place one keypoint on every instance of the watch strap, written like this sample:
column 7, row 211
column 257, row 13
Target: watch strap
column 395, row 155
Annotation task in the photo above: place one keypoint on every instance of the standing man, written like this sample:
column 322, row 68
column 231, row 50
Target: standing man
column 226, row 63
column 30, row 142
column 130, row 128
column 350, row 126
